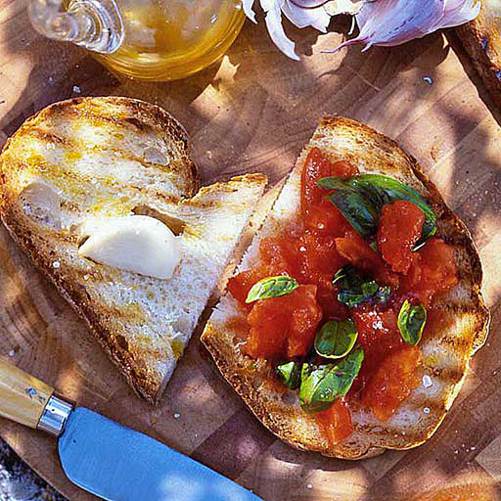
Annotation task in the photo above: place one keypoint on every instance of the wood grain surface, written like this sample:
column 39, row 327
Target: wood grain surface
column 254, row 111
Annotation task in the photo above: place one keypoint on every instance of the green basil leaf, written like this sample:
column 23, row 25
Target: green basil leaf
column 354, row 289
column 270, row 287
column 289, row 373
column 373, row 191
column 336, row 339
column 370, row 288
column 322, row 384
column 352, row 298
column 332, row 183
column 387, row 189
column 411, row 321
column 357, row 210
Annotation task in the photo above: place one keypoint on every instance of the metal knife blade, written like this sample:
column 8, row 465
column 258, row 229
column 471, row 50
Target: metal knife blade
column 120, row 464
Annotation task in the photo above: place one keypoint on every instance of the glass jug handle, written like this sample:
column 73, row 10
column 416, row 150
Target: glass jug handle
column 93, row 24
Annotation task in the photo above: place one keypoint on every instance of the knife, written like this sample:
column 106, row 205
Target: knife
column 106, row 458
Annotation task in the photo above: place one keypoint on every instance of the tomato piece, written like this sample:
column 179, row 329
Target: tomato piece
column 359, row 253
column 240, row 285
column 327, row 298
column 318, row 256
column 319, row 261
column 277, row 257
column 284, row 327
column 317, row 166
column 325, row 218
column 378, row 335
column 335, row 422
column 400, row 227
column 433, row 271
column 393, row 382
column 268, row 324
column 306, row 314
column 279, row 254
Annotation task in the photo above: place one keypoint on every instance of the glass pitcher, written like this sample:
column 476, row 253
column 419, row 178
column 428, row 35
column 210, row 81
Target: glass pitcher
column 147, row 39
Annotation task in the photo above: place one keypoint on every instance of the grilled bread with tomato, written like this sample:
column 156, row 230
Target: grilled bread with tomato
column 349, row 325
column 102, row 195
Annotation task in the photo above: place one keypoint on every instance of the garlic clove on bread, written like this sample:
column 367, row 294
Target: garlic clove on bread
column 140, row 244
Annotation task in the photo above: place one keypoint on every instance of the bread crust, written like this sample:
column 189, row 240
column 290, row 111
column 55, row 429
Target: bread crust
column 463, row 309
column 481, row 38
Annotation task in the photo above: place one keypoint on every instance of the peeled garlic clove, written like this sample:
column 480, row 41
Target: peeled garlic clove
column 140, row 244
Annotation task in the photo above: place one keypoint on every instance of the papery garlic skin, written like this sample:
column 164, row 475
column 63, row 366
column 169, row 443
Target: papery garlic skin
column 393, row 22
column 381, row 22
column 302, row 13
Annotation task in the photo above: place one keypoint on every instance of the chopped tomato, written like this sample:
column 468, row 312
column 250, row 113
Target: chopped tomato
column 378, row 335
column 400, row 227
column 318, row 256
column 359, row 253
column 393, row 382
column 432, row 271
column 284, row 327
column 316, row 167
column 279, row 254
column 327, row 298
column 335, row 422
column 318, row 213
column 325, row 218
column 240, row 285
column 277, row 257
column 310, row 258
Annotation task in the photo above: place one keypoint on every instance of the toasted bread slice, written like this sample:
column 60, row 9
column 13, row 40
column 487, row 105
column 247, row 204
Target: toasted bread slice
column 446, row 351
column 97, row 157
column 482, row 40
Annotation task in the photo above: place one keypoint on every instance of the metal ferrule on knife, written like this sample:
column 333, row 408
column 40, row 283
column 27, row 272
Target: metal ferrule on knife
column 55, row 415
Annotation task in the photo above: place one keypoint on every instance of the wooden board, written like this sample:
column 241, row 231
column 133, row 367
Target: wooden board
column 254, row 112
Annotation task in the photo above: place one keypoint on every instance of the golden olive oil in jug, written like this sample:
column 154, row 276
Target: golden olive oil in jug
column 154, row 40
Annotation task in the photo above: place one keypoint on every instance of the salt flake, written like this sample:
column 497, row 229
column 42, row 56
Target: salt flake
column 427, row 382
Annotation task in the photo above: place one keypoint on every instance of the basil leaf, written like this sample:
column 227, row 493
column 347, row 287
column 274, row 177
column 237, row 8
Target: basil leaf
column 321, row 385
column 353, row 289
column 270, row 287
column 411, row 321
column 387, row 189
column 356, row 209
column 289, row 373
column 336, row 339
column 332, row 183
column 373, row 191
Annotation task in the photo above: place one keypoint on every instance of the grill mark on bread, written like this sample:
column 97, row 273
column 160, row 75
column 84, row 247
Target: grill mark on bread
column 75, row 146
column 72, row 152
column 45, row 136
